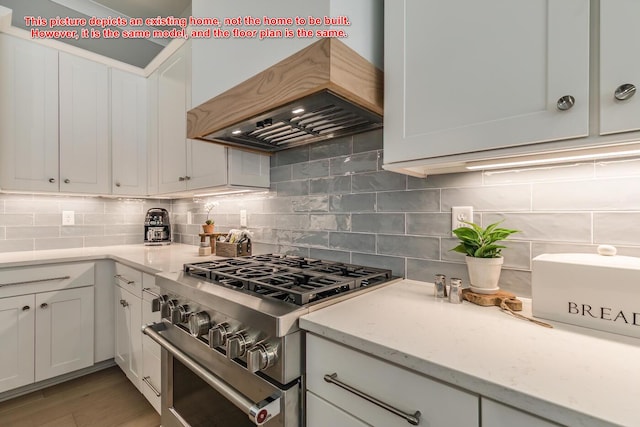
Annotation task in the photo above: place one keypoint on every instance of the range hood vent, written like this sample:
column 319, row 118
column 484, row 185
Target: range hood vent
column 324, row 91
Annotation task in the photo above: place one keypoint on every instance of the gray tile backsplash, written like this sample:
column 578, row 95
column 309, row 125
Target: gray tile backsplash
column 357, row 212
column 332, row 200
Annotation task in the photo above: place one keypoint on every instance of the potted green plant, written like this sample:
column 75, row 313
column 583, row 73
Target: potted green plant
column 483, row 254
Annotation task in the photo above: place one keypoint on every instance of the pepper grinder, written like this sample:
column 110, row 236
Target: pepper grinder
column 440, row 289
column 455, row 291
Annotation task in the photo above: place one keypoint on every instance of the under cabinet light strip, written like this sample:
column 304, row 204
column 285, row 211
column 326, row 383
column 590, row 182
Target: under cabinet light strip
column 560, row 157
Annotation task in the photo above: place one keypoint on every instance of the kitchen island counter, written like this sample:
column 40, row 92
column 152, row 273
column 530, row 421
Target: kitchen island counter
column 570, row 375
column 150, row 259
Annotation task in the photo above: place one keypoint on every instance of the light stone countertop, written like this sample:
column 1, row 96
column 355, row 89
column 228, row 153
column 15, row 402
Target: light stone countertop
column 570, row 375
column 150, row 259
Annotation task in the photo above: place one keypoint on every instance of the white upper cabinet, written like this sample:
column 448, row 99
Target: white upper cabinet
column 128, row 133
column 28, row 116
column 619, row 66
column 84, row 126
column 465, row 76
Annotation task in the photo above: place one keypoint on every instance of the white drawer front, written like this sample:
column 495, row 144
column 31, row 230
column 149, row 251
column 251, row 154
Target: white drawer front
column 45, row 278
column 321, row 413
column 151, row 373
column 129, row 278
column 440, row 405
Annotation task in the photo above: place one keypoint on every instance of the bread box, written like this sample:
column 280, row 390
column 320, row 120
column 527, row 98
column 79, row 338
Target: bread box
column 596, row 291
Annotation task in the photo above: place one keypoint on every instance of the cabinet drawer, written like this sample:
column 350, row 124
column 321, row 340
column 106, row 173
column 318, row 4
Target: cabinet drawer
column 440, row 405
column 129, row 278
column 45, row 278
column 321, row 413
column 151, row 374
column 495, row 414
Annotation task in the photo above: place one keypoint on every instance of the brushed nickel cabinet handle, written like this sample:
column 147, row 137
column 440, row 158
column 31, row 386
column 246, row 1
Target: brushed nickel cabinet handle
column 625, row 91
column 187, row 178
column 28, row 282
column 413, row 419
column 124, row 279
column 181, row 178
column 566, row 103
column 153, row 389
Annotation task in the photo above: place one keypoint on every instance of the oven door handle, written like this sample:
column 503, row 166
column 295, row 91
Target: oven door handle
column 259, row 413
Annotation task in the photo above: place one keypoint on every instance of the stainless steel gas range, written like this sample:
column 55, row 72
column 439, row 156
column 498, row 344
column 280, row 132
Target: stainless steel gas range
column 232, row 351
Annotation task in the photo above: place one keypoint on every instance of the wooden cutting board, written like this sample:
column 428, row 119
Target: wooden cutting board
column 493, row 299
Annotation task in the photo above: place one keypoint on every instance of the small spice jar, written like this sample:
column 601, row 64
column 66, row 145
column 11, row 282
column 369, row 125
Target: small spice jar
column 440, row 288
column 455, row 291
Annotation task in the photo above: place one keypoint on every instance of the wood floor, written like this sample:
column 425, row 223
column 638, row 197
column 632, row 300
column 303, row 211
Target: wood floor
column 102, row 399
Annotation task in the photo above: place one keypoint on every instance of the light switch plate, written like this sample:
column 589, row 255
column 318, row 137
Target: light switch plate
column 68, row 218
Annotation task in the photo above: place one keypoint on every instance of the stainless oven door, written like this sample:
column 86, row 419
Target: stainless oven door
column 200, row 387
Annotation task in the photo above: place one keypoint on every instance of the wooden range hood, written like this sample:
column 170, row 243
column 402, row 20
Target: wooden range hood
column 324, row 91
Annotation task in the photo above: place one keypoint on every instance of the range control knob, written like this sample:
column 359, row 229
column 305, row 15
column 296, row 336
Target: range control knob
column 180, row 314
column 237, row 345
column 199, row 323
column 261, row 357
column 168, row 307
column 218, row 335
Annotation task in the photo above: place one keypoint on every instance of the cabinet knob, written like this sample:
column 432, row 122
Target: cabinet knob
column 187, row 178
column 181, row 178
column 117, row 184
column 52, row 180
column 44, row 305
column 566, row 103
column 625, row 91
column 124, row 303
column 66, row 181
column 26, row 308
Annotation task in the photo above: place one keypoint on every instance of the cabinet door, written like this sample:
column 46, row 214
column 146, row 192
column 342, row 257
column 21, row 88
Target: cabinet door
column 321, row 413
column 497, row 415
column 28, row 115
column 128, row 133
column 465, row 76
column 128, row 348
column 172, row 122
column 246, row 168
column 64, row 331
column 84, row 125
column 619, row 65
column 17, row 337
column 206, row 164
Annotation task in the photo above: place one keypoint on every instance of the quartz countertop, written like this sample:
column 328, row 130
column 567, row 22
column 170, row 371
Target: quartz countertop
column 568, row 374
column 150, row 259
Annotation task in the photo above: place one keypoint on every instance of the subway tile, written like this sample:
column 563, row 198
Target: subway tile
column 550, row 227
column 93, row 241
column 3, row 233
column 617, row 168
column 16, row 245
column 55, row 219
column 1, row 206
column 425, row 270
column 281, row 173
column 86, row 205
column 275, row 236
column 496, row 198
column 82, row 230
column 32, row 232
column 429, row 224
column 561, row 172
column 614, row 228
column 305, row 170
column 113, row 230
column 258, row 248
column 378, row 181
column 395, row 264
column 11, row 220
column 332, row 185
column 465, row 179
column 106, row 219
column 292, row 221
column 126, row 208
column 59, row 243
column 597, row 194
column 365, row 162
column 368, row 141
column 332, row 222
column 31, row 206
column 353, row 241
column 260, row 219
column 310, row 204
column 310, row 238
column 329, row 255
column 392, row 223
column 409, row 201
column 292, row 155
column 137, row 239
column 518, row 282
column 293, row 250
column 330, row 148
column 363, row 202
column 293, row 188
column 409, row 246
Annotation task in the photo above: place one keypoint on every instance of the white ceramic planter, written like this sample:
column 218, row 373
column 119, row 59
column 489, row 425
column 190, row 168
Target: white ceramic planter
column 484, row 274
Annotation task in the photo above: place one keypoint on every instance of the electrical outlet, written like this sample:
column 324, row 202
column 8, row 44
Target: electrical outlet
column 459, row 214
column 68, row 218
column 189, row 217
column 243, row 217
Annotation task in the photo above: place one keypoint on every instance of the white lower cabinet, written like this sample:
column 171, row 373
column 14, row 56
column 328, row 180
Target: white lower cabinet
column 439, row 404
column 321, row 413
column 17, row 352
column 150, row 349
column 64, row 331
column 495, row 414
column 128, row 345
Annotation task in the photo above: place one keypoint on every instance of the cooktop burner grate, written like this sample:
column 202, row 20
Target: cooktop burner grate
column 294, row 279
